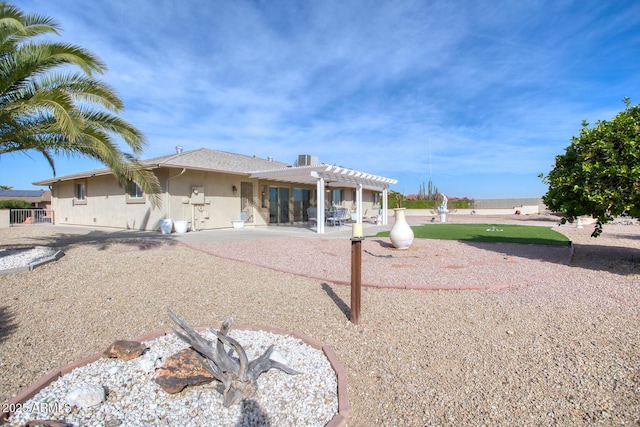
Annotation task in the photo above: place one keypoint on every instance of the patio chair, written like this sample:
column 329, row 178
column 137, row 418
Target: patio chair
column 338, row 216
column 330, row 216
column 312, row 216
column 372, row 218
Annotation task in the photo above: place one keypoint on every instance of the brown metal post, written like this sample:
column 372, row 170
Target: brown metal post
column 356, row 276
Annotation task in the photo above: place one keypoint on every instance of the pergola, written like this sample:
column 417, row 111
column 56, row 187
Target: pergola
column 321, row 175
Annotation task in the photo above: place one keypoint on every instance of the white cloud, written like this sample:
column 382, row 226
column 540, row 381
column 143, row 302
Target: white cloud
column 388, row 87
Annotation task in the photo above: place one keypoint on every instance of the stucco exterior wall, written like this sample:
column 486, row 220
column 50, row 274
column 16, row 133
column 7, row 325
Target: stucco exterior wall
column 219, row 194
column 5, row 218
column 524, row 210
column 106, row 205
column 221, row 205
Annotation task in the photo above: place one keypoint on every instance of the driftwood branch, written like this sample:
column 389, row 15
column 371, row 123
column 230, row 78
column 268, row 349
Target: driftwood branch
column 46, row 423
column 238, row 375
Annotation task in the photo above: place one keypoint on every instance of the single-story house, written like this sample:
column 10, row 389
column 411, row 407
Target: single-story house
column 39, row 199
column 211, row 188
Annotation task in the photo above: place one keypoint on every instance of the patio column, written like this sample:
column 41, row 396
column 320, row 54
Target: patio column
column 320, row 205
column 359, row 203
column 385, row 206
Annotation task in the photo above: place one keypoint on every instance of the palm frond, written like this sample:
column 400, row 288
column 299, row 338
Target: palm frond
column 55, row 112
column 113, row 124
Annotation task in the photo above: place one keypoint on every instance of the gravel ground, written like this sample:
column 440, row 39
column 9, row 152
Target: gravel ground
column 473, row 265
column 560, row 348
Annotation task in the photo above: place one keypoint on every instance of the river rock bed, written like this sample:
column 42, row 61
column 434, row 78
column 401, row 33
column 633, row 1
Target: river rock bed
column 17, row 258
column 134, row 399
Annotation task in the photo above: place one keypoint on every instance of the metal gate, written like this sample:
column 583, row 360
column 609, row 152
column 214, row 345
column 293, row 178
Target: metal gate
column 30, row 216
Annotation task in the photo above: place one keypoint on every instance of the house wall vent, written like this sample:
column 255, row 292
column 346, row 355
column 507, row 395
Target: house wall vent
column 307, row 160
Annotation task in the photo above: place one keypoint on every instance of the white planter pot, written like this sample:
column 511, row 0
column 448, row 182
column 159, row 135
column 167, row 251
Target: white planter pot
column 238, row 224
column 165, row 226
column 181, row 226
column 401, row 235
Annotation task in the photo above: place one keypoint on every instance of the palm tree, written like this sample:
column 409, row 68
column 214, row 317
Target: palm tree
column 46, row 108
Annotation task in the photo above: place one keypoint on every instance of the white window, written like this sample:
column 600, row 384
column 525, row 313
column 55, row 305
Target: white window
column 81, row 191
column 335, row 198
column 80, row 197
column 134, row 190
column 135, row 193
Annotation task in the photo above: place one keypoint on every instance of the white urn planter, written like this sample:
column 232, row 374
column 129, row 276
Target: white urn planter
column 181, row 226
column 401, row 234
column 166, row 225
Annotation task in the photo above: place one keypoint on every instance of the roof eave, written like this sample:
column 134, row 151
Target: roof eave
column 177, row 166
column 73, row 177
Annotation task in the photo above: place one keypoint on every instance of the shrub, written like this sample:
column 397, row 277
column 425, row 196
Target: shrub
column 15, row 204
column 430, row 204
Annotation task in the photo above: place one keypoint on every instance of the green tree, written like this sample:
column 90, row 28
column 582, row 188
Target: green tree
column 49, row 109
column 14, row 204
column 599, row 174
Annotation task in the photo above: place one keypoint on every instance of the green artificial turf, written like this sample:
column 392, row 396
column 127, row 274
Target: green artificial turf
column 494, row 233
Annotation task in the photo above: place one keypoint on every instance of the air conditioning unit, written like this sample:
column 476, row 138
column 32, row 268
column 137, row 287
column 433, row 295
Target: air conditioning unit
column 307, row 160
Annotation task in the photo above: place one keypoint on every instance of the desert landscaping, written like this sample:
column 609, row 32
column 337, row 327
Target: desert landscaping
column 550, row 338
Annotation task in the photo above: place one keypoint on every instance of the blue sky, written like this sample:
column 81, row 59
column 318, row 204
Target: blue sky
column 478, row 95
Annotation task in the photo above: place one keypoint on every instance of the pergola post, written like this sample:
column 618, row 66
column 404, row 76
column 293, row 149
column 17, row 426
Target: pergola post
column 359, row 203
column 385, row 206
column 320, row 205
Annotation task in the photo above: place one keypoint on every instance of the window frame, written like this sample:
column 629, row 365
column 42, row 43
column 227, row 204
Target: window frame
column 131, row 192
column 77, row 200
column 336, row 197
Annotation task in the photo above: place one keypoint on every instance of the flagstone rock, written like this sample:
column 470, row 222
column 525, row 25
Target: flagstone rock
column 125, row 350
column 183, row 369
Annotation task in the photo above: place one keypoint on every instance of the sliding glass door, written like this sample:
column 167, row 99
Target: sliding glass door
column 301, row 201
column 279, row 205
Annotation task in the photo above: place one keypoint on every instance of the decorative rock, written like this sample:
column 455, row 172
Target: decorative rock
column 125, row 350
column 45, row 423
column 146, row 364
column 185, row 368
column 150, row 361
column 86, row 395
column 276, row 356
